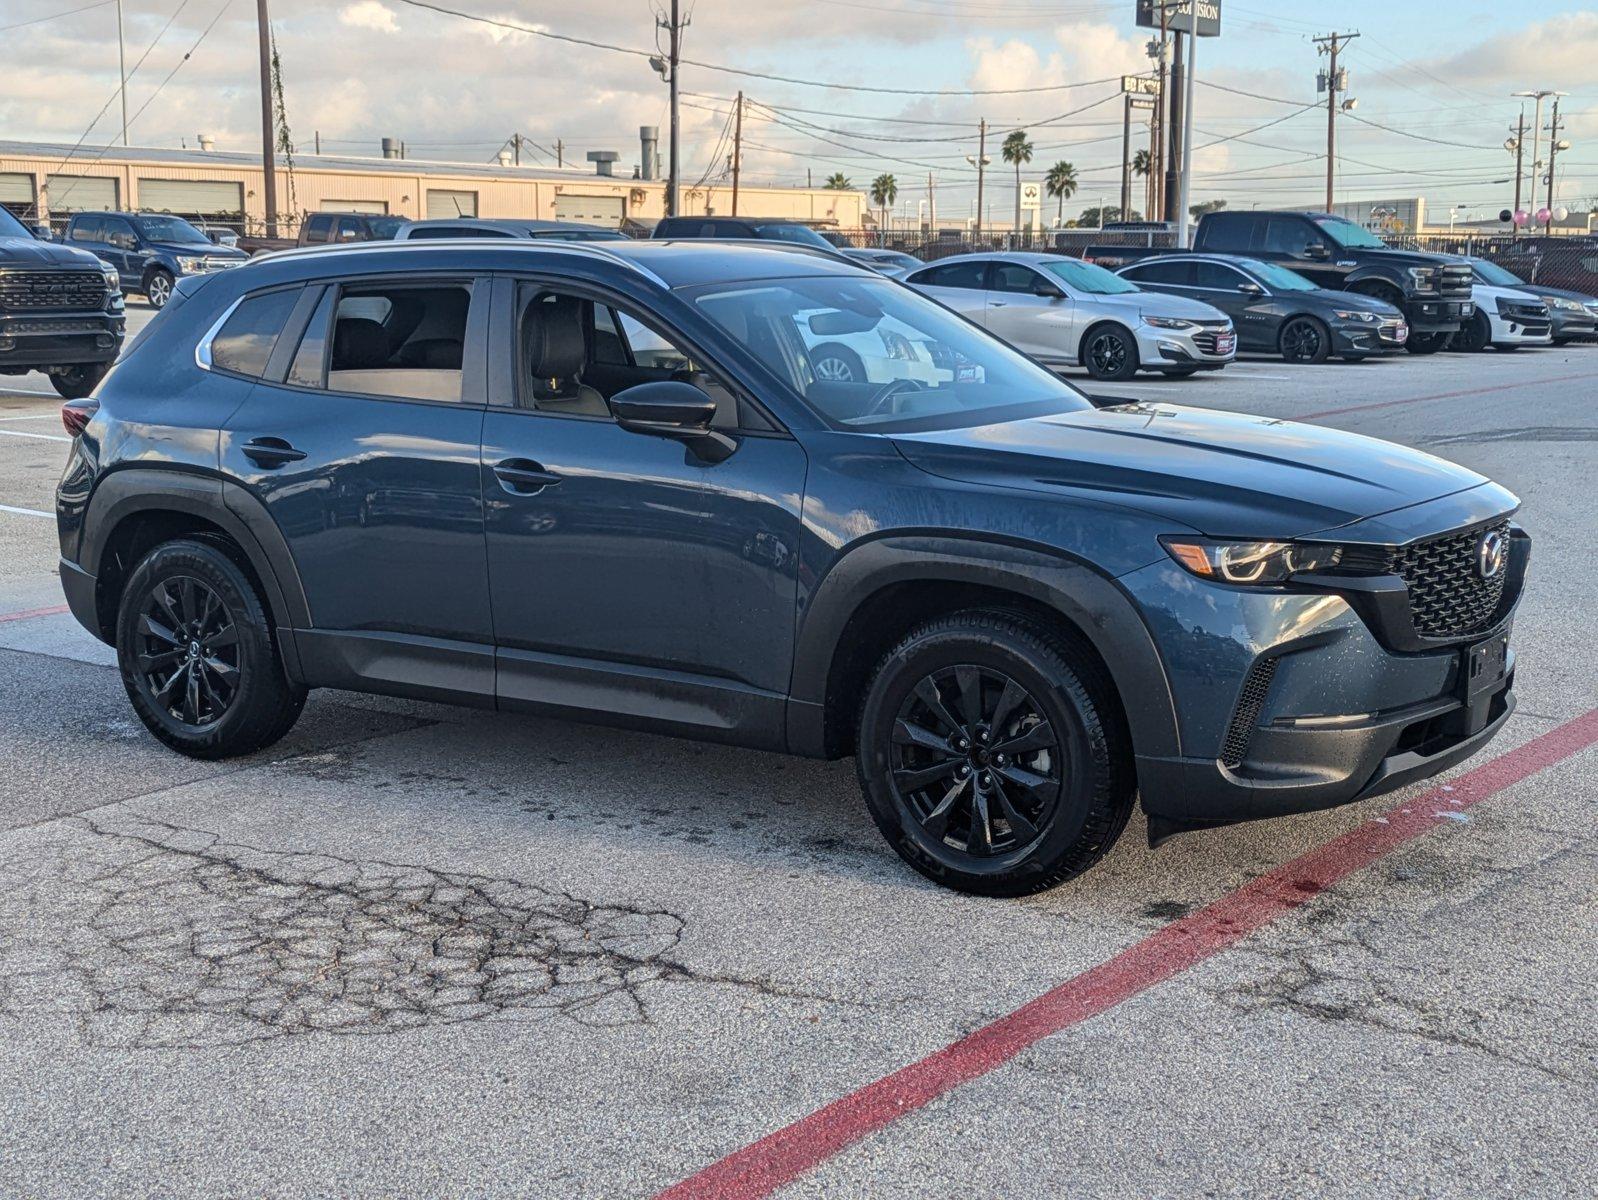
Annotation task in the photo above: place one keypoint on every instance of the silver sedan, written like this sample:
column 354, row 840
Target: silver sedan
column 1066, row 312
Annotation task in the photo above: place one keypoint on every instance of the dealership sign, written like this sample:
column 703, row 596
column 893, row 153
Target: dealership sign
column 1031, row 196
column 1179, row 15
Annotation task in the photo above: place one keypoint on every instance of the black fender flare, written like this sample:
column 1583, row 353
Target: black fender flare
column 1375, row 274
column 134, row 490
column 1088, row 599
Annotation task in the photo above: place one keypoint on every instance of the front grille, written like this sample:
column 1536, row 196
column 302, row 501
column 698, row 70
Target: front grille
column 1524, row 312
column 1447, row 595
column 1245, row 717
column 51, row 291
column 1209, row 340
column 1455, row 281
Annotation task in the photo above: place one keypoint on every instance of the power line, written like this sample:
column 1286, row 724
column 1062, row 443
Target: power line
column 57, row 16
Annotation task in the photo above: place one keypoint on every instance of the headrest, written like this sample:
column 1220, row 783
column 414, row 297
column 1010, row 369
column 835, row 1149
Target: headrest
column 552, row 337
column 359, row 344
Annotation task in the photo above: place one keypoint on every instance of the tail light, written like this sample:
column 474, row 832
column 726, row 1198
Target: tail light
column 76, row 415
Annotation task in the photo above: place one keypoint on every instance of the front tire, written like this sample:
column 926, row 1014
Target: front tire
column 1426, row 343
column 1304, row 340
column 992, row 755
column 1473, row 337
column 158, row 287
column 76, row 382
column 836, row 363
column 197, row 655
column 1110, row 352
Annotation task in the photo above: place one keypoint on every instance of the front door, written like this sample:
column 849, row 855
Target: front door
column 627, row 574
column 1043, row 326
column 362, row 442
column 1254, row 314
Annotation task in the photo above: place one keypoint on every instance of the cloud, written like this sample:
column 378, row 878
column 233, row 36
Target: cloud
column 369, row 14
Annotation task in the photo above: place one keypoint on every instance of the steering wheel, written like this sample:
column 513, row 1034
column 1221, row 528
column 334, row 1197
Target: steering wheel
column 880, row 403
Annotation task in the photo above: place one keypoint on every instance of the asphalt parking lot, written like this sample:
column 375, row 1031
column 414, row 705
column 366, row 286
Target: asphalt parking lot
column 420, row 951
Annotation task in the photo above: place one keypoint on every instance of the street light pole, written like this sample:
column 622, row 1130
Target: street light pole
column 122, row 72
column 1187, row 127
column 268, row 163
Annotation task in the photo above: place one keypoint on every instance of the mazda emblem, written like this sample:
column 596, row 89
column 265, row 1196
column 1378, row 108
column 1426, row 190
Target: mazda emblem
column 1490, row 552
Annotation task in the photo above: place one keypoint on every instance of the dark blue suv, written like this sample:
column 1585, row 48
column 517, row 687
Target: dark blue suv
column 150, row 251
column 604, row 481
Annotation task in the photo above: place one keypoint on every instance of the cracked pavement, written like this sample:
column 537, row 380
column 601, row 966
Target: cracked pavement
column 600, row 960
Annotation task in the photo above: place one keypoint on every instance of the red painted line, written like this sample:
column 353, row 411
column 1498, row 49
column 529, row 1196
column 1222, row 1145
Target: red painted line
column 28, row 614
column 1480, row 391
column 776, row 1160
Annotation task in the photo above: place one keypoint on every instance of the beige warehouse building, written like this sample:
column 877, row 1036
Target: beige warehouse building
column 45, row 181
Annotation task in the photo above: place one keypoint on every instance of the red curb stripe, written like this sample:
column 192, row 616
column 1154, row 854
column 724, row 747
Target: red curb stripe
column 28, row 614
column 762, row 1167
column 1480, row 391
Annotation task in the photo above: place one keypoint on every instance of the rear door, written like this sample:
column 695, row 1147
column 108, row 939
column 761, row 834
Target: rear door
column 1042, row 326
column 962, row 285
column 361, row 442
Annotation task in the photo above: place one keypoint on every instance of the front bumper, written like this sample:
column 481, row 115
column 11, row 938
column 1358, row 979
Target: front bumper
column 1569, row 323
column 1520, row 329
column 1208, row 349
column 1358, row 337
column 1441, row 315
column 29, row 340
column 1290, row 702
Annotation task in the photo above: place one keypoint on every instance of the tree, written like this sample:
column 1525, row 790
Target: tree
column 1140, row 163
column 884, row 191
column 1094, row 218
column 838, row 182
column 1017, row 150
column 1209, row 206
column 1060, row 182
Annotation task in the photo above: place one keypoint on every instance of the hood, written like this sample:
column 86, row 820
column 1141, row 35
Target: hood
column 31, row 252
column 1562, row 293
column 196, row 250
column 1161, row 304
column 1403, row 258
column 1221, row 474
column 1347, row 301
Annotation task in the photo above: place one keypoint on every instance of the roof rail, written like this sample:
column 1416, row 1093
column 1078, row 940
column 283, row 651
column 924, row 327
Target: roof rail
column 514, row 245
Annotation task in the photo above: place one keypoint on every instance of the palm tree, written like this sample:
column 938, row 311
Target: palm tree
column 1140, row 163
column 1017, row 150
column 884, row 191
column 1060, row 182
column 838, row 182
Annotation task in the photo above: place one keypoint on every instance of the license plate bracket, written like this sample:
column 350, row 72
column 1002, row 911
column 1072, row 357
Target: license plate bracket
column 1485, row 665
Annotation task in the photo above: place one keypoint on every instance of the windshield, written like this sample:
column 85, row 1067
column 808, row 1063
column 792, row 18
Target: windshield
column 802, row 234
column 385, row 227
column 1280, row 278
column 11, row 227
column 1087, row 277
column 872, row 355
column 1489, row 272
column 170, row 229
column 1349, row 234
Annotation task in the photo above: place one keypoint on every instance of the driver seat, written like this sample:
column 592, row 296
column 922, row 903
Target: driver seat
column 554, row 350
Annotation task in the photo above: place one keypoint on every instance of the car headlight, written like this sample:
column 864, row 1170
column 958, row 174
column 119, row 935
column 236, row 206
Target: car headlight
column 897, row 345
column 113, row 281
column 1355, row 315
column 1425, row 278
column 1562, row 302
column 190, row 264
column 1168, row 322
column 1250, row 562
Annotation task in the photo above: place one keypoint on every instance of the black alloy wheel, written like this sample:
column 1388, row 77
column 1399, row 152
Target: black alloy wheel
column 1306, row 340
column 1474, row 335
column 1110, row 353
column 993, row 755
column 1426, row 343
column 197, row 654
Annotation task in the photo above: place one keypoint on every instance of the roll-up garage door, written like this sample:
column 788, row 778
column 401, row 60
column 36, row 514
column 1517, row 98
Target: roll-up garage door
column 80, row 193
column 591, row 210
column 16, row 192
column 191, row 197
column 442, row 204
column 374, row 207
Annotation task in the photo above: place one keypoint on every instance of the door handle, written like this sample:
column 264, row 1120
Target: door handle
column 523, row 477
column 271, row 452
column 995, row 303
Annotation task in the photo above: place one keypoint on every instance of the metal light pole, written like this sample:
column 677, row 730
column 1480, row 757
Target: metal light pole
column 268, row 163
column 980, row 161
column 122, row 72
column 1187, row 127
column 1536, row 131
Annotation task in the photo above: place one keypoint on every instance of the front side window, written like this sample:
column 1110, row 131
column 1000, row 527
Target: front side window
column 393, row 339
column 1227, row 233
column 350, row 229
column 118, row 233
column 171, row 229
column 318, row 228
column 1014, row 277
column 1217, row 277
column 1279, row 278
column 88, row 229
column 1087, row 277
column 1492, row 273
column 801, row 234
column 245, row 342
column 912, row 364
column 1287, row 235
column 1346, row 233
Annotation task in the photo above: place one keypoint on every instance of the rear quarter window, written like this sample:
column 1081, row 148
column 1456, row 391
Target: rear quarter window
column 244, row 343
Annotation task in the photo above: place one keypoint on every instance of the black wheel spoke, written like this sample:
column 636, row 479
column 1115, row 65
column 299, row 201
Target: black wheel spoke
column 168, row 606
column 1020, row 825
column 968, row 682
column 224, row 671
column 907, row 734
column 149, row 626
column 1039, row 737
column 981, row 839
column 191, row 696
column 1009, row 700
column 228, row 635
column 1035, row 784
column 927, row 692
column 159, row 661
column 937, row 821
column 163, row 694
column 188, row 603
column 914, row 779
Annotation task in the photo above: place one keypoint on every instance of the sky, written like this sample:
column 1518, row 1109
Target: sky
column 870, row 86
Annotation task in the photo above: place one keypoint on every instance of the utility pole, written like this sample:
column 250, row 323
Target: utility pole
column 1538, row 95
column 268, row 163
column 1336, row 83
column 1182, row 214
column 1171, row 188
column 516, row 147
column 1519, row 142
column 1126, row 154
column 1554, row 147
column 737, row 147
column 668, row 68
column 1159, row 51
column 122, row 72
column 980, row 162
column 932, row 205
column 560, row 153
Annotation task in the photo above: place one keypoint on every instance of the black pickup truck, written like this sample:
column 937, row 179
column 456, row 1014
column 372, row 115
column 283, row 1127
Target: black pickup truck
column 1433, row 290
column 60, row 311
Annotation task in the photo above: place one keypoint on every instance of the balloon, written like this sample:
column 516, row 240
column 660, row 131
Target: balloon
column 1561, row 213
column 1520, row 216
column 1542, row 216
column 1506, row 216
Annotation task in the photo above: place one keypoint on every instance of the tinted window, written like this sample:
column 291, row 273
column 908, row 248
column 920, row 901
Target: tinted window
column 1227, row 232
column 171, row 229
column 953, row 275
column 395, row 340
column 118, row 232
column 310, row 360
column 245, row 342
column 1287, row 235
column 318, row 228
column 802, row 234
column 87, row 229
column 1013, row 277
column 351, row 229
column 1172, row 271
column 1218, row 276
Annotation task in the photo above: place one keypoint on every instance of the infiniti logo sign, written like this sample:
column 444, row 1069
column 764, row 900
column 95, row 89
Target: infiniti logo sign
column 1490, row 554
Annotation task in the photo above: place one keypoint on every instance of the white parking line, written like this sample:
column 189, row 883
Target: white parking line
column 30, row 416
column 43, row 437
column 25, row 512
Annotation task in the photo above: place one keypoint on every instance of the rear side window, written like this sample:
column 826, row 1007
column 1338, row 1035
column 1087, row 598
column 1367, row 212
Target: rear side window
column 401, row 340
column 318, row 228
column 244, row 344
column 1227, row 233
column 953, row 275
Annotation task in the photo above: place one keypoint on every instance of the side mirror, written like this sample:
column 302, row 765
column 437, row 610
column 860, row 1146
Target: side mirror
column 1249, row 288
column 1047, row 290
column 1319, row 251
column 44, row 233
column 674, row 410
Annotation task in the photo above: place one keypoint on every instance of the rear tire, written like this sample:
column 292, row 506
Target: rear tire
column 992, row 755
column 197, row 654
column 76, row 382
column 1109, row 352
column 836, row 363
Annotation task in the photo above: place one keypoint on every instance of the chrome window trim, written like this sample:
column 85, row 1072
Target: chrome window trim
column 202, row 351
